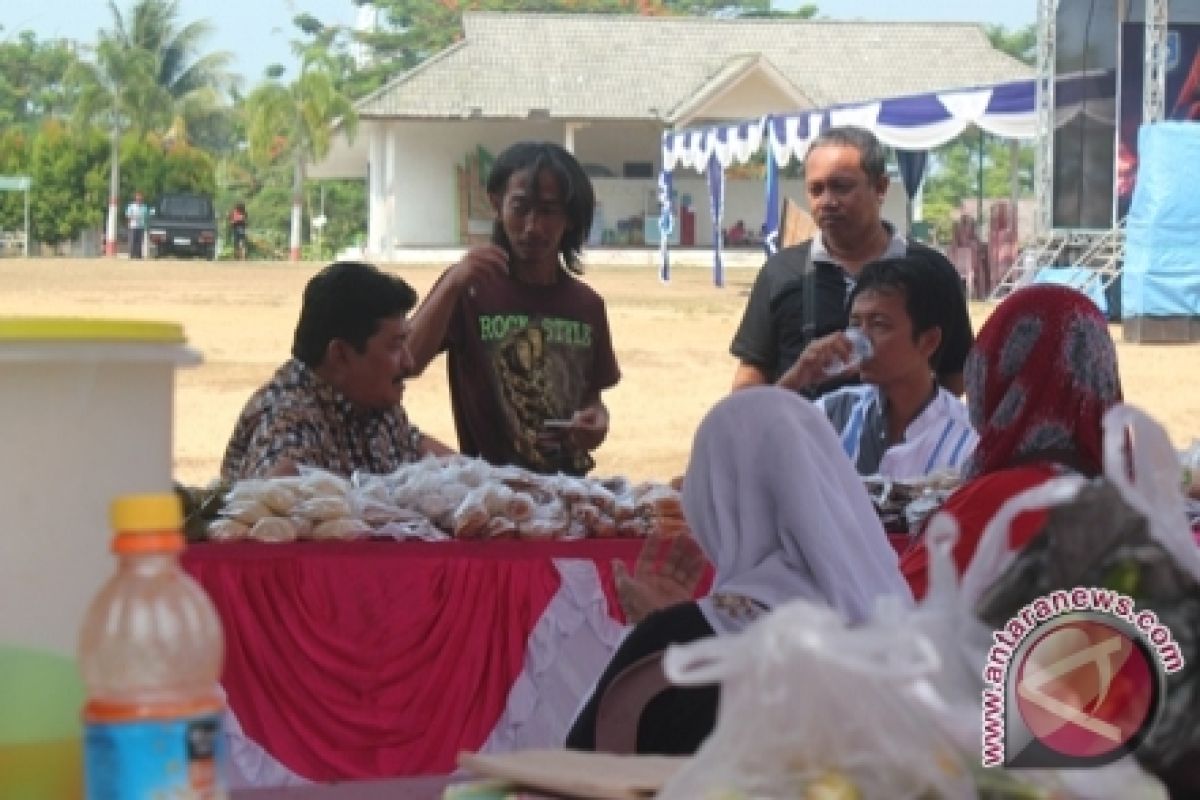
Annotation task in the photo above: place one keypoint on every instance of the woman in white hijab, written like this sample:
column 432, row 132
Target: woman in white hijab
column 781, row 513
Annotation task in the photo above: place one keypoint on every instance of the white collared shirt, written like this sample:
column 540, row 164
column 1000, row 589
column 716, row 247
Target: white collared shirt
column 941, row 436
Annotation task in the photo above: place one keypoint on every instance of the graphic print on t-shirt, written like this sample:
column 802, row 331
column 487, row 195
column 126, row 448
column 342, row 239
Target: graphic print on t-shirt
column 539, row 367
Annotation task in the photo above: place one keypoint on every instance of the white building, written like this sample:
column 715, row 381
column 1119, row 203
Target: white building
column 607, row 87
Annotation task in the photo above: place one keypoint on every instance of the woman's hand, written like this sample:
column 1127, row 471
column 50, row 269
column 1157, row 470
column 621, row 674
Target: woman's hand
column 659, row 581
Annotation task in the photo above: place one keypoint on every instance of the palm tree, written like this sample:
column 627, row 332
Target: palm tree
column 298, row 120
column 149, row 74
column 194, row 82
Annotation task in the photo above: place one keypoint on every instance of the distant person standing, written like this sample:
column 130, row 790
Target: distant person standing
column 237, row 230
column 135, row 218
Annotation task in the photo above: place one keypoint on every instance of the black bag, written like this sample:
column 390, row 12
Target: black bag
column 1098, row 540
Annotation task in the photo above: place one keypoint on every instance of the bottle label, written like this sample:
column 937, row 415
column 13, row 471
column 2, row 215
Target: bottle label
column 178, row 757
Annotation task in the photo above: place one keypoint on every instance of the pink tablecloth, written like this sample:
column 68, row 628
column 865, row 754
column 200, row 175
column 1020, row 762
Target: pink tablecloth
column 376, row 659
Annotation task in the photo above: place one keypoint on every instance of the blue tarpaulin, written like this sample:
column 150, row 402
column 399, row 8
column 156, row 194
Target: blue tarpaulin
column 1076, row 278
column 1161, row 277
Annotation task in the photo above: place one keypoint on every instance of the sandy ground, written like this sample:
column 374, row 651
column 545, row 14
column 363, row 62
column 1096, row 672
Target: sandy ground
column 671, row 341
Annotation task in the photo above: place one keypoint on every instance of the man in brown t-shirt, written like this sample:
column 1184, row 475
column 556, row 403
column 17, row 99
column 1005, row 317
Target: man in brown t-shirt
column 528, row 342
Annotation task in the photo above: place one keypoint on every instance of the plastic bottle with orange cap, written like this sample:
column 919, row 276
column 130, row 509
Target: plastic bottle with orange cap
column 150, row 651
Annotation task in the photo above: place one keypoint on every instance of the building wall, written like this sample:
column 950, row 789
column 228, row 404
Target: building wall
column 745, row 199
column 753, row 96
column 413, row 192
column 612, row 144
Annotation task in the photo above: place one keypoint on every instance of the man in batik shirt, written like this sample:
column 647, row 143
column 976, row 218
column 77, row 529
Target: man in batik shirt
column 336, row 403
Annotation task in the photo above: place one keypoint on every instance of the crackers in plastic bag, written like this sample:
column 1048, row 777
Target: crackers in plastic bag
column 224, row 529
column 500, row 528
column 340, row 528
column 246, row 511
column 273, row 529
column 658, row 500
column 470, row 519
column 323, row 508
column 319, row 483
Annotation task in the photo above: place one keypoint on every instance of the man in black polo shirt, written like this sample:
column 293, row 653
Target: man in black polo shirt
column 800, row 293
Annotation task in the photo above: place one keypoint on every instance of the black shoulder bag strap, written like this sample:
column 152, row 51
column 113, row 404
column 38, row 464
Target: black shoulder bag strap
column 808, row 282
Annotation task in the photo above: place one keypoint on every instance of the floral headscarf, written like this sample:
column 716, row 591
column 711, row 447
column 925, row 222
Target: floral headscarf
column 1041, row 376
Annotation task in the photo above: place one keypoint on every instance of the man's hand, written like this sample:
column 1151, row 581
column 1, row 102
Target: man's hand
column 660, row 579
column 478, row 262
column 748, row 375
column 810, row 367
column 432, row 319
column 586, row 430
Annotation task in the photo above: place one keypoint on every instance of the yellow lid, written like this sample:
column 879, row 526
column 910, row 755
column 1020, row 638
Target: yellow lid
column 146, row 513
column 72, row 329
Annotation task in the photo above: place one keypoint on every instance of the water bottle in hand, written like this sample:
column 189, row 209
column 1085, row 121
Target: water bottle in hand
column 860, row 351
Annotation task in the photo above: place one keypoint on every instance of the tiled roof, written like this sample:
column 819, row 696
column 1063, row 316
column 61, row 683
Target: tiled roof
column 589, row 66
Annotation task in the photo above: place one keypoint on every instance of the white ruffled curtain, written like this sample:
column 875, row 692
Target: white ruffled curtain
column 789, row 135
column 920, row 122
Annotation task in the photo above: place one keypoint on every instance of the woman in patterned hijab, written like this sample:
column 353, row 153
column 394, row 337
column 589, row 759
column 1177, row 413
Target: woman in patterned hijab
column 1041, row 376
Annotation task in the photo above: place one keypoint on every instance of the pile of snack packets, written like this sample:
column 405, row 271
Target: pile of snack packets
column 443, row 498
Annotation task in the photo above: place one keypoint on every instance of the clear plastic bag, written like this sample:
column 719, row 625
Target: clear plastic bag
column 811, row 708
column 1132, row 437
column 809, row 704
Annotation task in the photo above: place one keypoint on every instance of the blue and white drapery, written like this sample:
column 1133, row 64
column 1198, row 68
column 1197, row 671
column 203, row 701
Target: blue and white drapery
column 771, row 221
column 716, row 200
column 911, row 123
column 666, row 226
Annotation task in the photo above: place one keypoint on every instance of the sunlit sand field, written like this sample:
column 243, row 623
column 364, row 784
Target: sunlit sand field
column 671, row 340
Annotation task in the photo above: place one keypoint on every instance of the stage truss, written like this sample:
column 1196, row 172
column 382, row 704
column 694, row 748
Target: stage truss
column 1102, row 252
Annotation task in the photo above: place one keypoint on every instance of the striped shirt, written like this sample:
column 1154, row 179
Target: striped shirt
column 941, row 436
column 298, row 416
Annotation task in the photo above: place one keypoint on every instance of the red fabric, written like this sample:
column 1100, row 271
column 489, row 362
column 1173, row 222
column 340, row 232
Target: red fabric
column 900, row 542
column 372, row 659
column 973, row 507
column 1041, row 376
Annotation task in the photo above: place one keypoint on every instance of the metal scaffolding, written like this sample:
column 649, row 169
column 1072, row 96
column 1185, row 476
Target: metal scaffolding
column 1101, row 253
column 1043, row 165
column 1154, row 87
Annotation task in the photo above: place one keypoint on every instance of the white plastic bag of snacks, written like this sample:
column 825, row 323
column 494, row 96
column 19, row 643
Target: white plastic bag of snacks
column 811, row 708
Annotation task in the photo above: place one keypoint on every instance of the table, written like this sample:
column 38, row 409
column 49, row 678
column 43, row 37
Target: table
column 373, row 659
column 423, row 788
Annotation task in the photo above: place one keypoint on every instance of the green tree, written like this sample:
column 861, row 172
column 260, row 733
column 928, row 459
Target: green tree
column 64, row 202
column 343, row 203
column 188, row 169
column 14, row 160
column 295, row 122
column 141, row 168
column 32, row 88
column 954, row 169
column 954, row 176
column 152, row 47
column 1021, row 44
column 148, row 74
column 151, row 168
